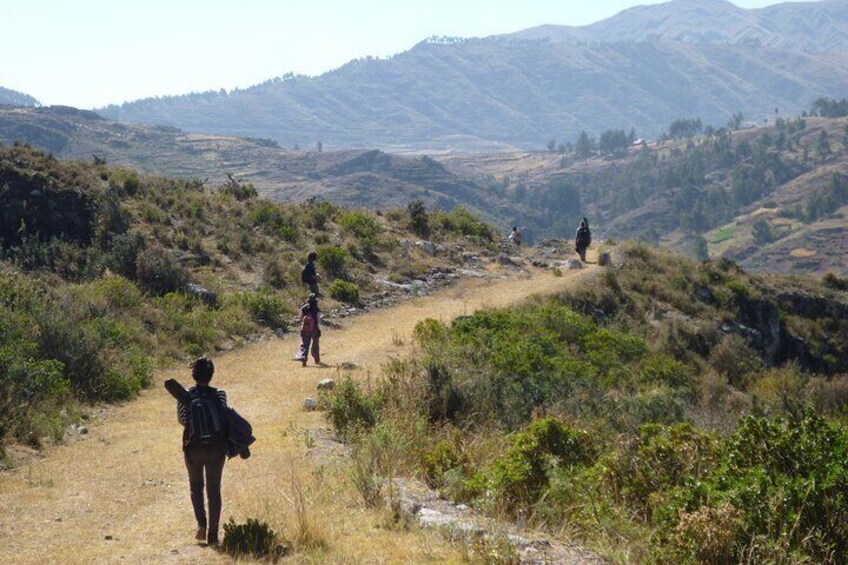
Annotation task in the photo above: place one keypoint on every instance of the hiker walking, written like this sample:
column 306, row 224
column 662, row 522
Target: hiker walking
column 202, row 414
column 515, row 236
column 583, row 239
column 310, row 331
column 309, row 275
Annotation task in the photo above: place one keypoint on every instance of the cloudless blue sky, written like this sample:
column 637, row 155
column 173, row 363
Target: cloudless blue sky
column 89, row 53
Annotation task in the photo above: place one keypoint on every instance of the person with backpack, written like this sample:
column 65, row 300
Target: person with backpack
column 202, row 412
column 583, row 239
column 310, row 331
column 515, row 236
column 309, row 276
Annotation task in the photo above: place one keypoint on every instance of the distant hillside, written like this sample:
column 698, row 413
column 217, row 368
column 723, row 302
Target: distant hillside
column 773, row 198
column 15, row 98
column 640, row 69
column 800, row 26
column 367, row 178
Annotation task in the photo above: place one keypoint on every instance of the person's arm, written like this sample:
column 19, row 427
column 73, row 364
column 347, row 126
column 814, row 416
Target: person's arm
column 222, row 398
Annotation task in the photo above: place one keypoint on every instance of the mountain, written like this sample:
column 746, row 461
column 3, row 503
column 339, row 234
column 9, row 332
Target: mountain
column 367, row 178
column 15, row 98
column 640, row 69
column 808, row 26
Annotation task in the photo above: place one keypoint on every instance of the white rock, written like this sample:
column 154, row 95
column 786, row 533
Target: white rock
column 326, row 384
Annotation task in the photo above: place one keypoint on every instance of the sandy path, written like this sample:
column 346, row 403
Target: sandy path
column 121, row 494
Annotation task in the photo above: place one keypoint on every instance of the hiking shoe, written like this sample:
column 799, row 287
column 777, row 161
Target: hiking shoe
column 201, row 534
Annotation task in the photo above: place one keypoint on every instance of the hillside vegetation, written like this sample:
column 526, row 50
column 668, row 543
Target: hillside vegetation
column 362, row 178
column 106, row 273
column 639, row 70
column 672, row 412
column 15, row 98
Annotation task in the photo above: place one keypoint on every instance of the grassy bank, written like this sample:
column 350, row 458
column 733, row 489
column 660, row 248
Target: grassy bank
column 672, row 412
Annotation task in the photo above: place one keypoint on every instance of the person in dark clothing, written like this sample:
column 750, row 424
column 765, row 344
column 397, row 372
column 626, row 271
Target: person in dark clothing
column 310, row 331
column 205, row 454
column 310, row 274
column 515, row 236
column 583, row 239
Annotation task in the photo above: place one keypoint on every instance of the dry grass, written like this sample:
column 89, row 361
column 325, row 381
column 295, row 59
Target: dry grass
column 121, row 495
column 802, row 253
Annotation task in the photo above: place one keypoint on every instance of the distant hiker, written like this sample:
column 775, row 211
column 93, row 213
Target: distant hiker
column 309, row 275
column 515, row 236
column 310, row 331
column 204, row 446
column 583, row 239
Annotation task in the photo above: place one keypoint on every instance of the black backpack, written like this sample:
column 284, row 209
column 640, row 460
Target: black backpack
column 205, row 422
column 304, row 275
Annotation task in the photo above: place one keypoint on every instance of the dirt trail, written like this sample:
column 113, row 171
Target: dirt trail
column 121, row 494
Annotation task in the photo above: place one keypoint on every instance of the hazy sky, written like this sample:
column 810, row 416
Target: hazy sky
column 89, row 53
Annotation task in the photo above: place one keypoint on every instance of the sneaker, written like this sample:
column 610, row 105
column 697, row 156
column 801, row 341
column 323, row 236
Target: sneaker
column 201, row 534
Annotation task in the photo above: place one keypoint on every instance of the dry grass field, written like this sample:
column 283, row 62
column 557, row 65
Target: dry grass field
column 120, row 494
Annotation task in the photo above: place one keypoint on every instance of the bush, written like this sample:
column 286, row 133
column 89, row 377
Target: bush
column 265, row 307
column 159, row 272
column 251, row 538
column 344, row 291
column 349, row 410
column 521, row 475
column 333, row 261
column 419, row 221
column 364, row 227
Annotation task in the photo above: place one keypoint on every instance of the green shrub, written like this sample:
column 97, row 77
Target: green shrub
column 344, row 291
column 419, row 221
column 159, row 272
column 350, row 410
column 333, row 261
column 522, row 475
column 265, row 307
column 442, row 457
column 364, row 227
column 253, row 538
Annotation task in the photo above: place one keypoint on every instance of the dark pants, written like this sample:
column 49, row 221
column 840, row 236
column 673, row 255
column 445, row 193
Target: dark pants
column 210, row 458
column 581, row 250
column 303, row 352
column 313, row 288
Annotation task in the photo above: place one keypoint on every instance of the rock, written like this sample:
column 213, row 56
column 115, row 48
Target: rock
column 574, row 264
column 201, row 293
column 427, row 247
column 598, row 315
column 326, row 384
column 108, row 537
column 604, row 259
column 504, row 259
column 82, row 430
column 310, row 404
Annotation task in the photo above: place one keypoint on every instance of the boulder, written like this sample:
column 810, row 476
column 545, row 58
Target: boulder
column 604, row 259
column 310, row 404
column 574, row 264
column 326, row 384
column 427, row 247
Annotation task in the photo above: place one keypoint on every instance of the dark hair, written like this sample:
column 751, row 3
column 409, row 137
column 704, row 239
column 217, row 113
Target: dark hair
column 202, row 370
column 313, row 255
column 514, row 228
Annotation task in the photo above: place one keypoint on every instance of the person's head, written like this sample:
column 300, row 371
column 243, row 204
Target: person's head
column 585, row 222
column 514, row 228
column 202, row 370
column 313, row 256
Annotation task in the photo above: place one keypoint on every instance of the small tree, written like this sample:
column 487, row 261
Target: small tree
column 762, row 232
column 419, row 221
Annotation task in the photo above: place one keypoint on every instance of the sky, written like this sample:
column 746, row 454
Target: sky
column 90, row 53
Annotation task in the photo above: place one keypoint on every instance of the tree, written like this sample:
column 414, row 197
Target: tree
column 762, row 232
column 684, row 129
column 551, row 145
column 419, row 221
column 613, row 142
column 319, row 146
column 735, row 121
column 822, row 145
column 585, row 145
